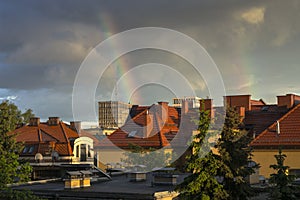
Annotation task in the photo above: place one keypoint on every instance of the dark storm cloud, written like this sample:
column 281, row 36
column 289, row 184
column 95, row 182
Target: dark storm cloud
column 42, row 43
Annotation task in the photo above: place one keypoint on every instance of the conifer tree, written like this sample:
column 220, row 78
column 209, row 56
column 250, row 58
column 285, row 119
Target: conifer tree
column 235, row 157
column 204, row 167
column 282, row 180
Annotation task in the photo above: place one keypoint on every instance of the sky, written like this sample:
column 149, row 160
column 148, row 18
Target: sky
column 43, row 44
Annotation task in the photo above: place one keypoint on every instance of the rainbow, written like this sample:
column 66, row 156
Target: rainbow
column 120, row 65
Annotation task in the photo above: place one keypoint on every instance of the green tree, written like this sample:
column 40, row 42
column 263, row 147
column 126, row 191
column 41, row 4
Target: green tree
column 11, row 168
column 235, row 156
column 151, row 157
column 27, row 115
column 204, row 167
column 282, row 180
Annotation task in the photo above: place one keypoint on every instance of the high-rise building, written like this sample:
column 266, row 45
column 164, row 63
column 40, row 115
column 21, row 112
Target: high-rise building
column 112, row 114
column 193, row 102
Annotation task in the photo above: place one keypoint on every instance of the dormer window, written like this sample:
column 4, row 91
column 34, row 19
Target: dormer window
column 28, row 149
column 132, row 134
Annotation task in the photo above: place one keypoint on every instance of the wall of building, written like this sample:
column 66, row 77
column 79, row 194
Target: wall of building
column 113, row 155
column 265, row 158
column 112, row 114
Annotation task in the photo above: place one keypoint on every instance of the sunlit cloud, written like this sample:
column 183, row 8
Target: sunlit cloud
column 254, row 15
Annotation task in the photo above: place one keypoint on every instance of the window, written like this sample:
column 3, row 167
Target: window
column 77, row 151
column 132, row 134
column 31, row 149
column 28, row 149
column 89, row 151
column 25, row 149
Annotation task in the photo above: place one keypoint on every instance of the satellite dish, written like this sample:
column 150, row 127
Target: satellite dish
column 38, row 157
column 54, row 155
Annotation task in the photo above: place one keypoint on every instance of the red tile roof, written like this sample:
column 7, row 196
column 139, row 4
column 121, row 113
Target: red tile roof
column 43, row 136
column 289, row 136
column 262, row 117
column 146, row 128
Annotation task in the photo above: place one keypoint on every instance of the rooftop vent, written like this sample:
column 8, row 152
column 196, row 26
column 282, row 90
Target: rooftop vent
column 53, row 121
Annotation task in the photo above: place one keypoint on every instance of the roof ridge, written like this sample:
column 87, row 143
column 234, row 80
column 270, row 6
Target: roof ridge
column 40, row 129
column 274, row 123
column 163, row 140
column 65, row 135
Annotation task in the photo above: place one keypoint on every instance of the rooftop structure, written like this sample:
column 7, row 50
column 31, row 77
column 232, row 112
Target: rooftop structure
column 112, row 114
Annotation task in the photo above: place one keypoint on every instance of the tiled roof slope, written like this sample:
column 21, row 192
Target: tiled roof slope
column 146, row 128
column 43, row 135
column 260, row 118
column 289, row 136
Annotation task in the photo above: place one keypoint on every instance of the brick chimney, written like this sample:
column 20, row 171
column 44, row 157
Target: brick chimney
column 238, row 101
column 184, row 106
column 163, row 110
column 34, row 121
column 288, row 100
column 241, row 112
column 75, row 126
column 53, row 121
column 148, row 124
column 207, row 105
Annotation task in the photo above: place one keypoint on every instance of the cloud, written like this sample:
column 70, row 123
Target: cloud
column 9, row 98
column 254, row 15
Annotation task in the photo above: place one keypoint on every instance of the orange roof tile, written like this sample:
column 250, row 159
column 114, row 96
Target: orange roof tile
column 145, row 128
column 43, row 134
column 289, row 136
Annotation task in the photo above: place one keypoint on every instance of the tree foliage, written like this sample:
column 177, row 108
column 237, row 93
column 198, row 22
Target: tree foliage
column 204, row 167
column 235, row 155
column 151, row 158
column 282, row 180
column 219, row 175
column 11, row 168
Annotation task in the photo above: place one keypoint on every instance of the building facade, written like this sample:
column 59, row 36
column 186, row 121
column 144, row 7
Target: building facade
column 112, row 114
column 50, row 146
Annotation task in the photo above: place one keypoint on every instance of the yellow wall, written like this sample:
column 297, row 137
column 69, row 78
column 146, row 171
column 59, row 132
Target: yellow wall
column 110, row 155
column 265, row 157
column 114, row 156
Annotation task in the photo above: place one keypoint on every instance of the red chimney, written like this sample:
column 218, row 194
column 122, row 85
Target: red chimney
column 207, row 105
column 163, row 110
column 34, row 121
column 287, row 100
column 53, row 121
column 148, row 124
column 184, row 106
column 238, row 101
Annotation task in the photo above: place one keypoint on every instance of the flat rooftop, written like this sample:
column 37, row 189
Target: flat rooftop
column 119, row 188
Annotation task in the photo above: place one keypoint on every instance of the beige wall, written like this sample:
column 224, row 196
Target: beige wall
column 114, row 155
column 266, row 158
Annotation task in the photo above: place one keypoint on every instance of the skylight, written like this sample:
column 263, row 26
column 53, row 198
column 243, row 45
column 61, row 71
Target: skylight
column 132, row 134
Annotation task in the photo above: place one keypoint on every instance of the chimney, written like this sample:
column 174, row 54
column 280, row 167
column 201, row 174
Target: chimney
column 34, row 121
column 53, row 121
column 75, row 126
column 238, row 101
column 148, row 125
column 163, row 110
column 184, row 106
column 286, row 100
column 241, row 112
column 207, row 105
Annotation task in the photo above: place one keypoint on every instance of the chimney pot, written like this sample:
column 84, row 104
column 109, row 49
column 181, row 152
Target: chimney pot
column 53, row 121
column 34, row 121
column 163, row 110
